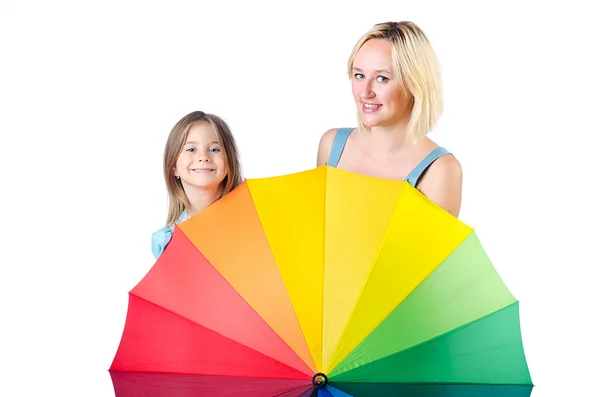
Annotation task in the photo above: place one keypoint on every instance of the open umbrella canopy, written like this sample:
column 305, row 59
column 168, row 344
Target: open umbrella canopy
column 322, row 283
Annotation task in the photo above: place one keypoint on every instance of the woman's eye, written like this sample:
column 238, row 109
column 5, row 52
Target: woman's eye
column 359, row 76
column 382, row 79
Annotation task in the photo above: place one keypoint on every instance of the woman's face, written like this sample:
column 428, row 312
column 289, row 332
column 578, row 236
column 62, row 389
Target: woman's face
column 377, row 92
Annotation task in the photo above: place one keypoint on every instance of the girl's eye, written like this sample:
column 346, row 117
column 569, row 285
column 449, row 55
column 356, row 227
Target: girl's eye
column 382, row 79
column 359, row 76
column 190, row 150
column 215, row 150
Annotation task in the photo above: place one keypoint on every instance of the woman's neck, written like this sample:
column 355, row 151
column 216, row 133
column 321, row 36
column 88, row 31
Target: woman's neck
column 385, row 139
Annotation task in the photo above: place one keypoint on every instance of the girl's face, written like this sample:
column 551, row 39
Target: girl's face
column 377, row 92
column 201, row 164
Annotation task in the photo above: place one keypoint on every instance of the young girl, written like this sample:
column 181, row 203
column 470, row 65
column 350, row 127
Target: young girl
column 201, row 165
column 397, row 90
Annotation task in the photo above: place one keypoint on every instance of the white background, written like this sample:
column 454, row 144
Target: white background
column 90, row 90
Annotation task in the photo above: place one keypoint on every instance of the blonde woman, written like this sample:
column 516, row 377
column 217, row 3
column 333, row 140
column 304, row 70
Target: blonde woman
column 201, row 164
column 397, row 90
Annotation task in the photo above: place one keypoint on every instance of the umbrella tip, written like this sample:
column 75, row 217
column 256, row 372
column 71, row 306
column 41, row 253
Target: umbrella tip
column 319, row 380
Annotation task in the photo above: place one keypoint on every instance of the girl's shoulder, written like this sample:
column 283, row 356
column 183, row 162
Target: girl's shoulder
column 162, row 236
column 160, row 239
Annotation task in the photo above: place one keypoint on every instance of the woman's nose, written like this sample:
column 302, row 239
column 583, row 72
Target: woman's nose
column 367, row 89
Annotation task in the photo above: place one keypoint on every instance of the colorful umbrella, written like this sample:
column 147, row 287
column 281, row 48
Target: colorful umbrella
column 322, row 283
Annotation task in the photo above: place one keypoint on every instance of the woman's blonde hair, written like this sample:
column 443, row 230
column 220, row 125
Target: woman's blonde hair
column 178, row 201
column 415, row 67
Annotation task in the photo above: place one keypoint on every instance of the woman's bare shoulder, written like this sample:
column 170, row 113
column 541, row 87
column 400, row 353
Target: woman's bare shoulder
column 325, row 145
column 442, row 183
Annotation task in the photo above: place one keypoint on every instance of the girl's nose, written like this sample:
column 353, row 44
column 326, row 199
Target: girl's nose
column 203, row 156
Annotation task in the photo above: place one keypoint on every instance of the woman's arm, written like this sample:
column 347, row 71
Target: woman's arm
column 442, row 184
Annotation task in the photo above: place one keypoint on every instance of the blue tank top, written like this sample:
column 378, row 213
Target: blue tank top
column 339, row 142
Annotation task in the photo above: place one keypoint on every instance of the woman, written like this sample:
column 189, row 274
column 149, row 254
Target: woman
column 396, row 86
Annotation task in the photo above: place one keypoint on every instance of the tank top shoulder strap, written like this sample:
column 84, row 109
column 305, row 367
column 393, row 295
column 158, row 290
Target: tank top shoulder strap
column 414, row 176
column 339, row 142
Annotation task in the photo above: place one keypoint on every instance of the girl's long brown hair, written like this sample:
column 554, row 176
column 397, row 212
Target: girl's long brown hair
column 178, row 201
